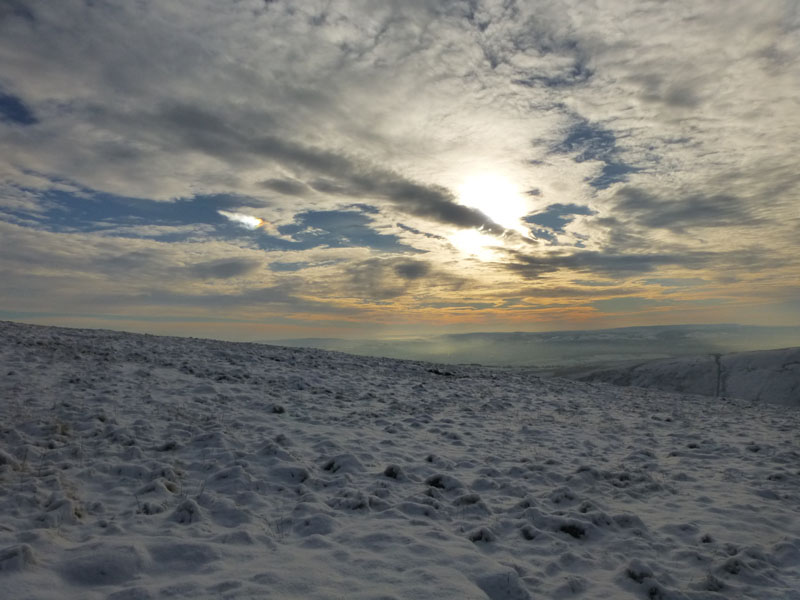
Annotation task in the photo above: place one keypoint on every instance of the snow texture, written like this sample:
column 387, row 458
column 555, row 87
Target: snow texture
column 768, row 375
column 135, row 467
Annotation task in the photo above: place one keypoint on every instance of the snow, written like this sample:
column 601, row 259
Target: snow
column 140, row 467
column 769, row 375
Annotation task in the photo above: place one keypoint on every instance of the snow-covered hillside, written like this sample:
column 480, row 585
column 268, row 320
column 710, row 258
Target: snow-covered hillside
column 138, row 467
column 768, row 376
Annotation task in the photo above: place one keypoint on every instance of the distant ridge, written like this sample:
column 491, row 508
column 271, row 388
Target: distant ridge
column 769, row 376
column 555, row 350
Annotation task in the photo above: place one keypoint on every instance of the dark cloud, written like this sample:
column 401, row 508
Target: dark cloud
column 225, row 268
column 683, row 96
column 575, row 291
column 380, row 279
column 434, row 203
column 329, row 171
column 412, row 269
column 576, row 74
column 375, row 280
column 134, row 262
column 16, row 8
column 418, row 232
column 674, row 94
column 14, row 110
column 287, row 187
column 604, row 263
column 327, row 186
column 617, row 265
column 289, row 266
column 546, row 34
column 683, row 212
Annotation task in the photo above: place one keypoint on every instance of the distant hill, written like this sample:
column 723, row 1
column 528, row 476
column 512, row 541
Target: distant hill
column 769, row 376
column 555, row 350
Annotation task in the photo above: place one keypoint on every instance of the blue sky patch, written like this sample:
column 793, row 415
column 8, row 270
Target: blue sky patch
column 593, row 142
column 340, row 229
column 613, row 172
column 557, row 216
column 91, row 211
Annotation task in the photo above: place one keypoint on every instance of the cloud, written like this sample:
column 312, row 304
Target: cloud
column 682, row 212
column 330, row 172
column 287, row 187
column 675, row 282
column 415, row 231
column 13, row 110
column 434, row 203
column 247, row 221
column 413, row 269
column 533, row 266
column 653, row 142
column 385, row 279
column 592, row 291
column 15, row 9
column 69, row 265
column 225, row 268
column 628, row 304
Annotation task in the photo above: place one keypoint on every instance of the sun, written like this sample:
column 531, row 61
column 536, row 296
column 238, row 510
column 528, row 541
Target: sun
column 497, row 197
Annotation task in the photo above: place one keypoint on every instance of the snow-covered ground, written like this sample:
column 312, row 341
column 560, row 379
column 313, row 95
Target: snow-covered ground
column 767, row 376
column 137, row 467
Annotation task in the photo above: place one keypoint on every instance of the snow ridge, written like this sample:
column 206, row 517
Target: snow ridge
column 140, row 467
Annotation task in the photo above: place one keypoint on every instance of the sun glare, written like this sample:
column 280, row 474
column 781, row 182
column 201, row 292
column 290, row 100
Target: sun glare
column 495, row 196
column 499, row 199
column 475, row 243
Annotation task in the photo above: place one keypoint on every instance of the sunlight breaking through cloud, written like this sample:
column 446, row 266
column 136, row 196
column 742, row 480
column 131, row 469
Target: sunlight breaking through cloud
column 247, row 221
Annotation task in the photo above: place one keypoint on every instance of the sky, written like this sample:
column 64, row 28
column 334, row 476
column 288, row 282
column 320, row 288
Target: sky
column 254, row 170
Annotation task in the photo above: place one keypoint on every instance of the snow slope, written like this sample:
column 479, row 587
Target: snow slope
column 769, row 376
column 138, row 467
